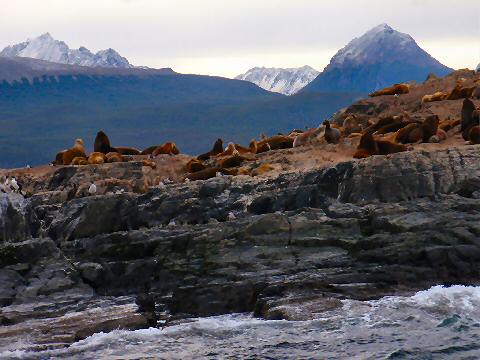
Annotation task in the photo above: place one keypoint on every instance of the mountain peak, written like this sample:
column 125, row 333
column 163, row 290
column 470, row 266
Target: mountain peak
column 45, row 36
column 374, row 46
column 378, row 58
column 45, row 47
column 381, row 28
column 286, row 81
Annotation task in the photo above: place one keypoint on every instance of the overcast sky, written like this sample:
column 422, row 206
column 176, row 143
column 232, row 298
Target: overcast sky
column 227, row 37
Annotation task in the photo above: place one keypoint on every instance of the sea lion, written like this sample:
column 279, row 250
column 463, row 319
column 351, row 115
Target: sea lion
column 386, row 147
column 97, row 158
column 275, row 142
column 474, row 134
column 418, row 132
column 76, row 151
column 112, row 157
column 395, row 89
column 79, row 160
column 438, row 96
column 332, row 135
column 367, row 146
column 232, row 161
column 204, row 174
column 59, row 158
column 169, row 148
column 229, row 150
column 125, row 150
column 307, row 136
column 195, row 165
column 252, row 148
column 217, row 149
column 468, row 120
column 447, row 125
column 102, row 143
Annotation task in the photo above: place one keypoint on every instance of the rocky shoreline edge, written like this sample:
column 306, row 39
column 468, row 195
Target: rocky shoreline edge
column 288, row 247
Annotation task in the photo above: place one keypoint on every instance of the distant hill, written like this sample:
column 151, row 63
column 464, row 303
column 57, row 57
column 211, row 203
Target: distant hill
column 379, row 58
column 43, row 114
column 45, row 47
column 284, row 81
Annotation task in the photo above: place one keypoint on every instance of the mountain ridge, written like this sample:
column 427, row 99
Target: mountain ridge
column 45, row 47
column 287, row 81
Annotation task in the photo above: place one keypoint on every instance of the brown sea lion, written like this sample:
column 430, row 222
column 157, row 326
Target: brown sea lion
column 332, row 135
column 229, row 150
column 79, row 160
column 195, row 165
column 102, row 143
column 204, row 174
column 275, row 142
column 232, row 161
column 112, row 157
column 447, row 125
column 474, row 134
column 396, row 89
column 217, row 149
column 367, row 146
column 415, row 132
column 59, row 158
column 468, row 118
column 76, row 151
column 125, row 150
column 252, row 148
column 97, row 158
column 438, row 96
column 169, row 148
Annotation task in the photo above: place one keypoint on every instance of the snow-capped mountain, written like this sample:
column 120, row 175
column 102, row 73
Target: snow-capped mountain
column 285, row 81
column 45, row 47
column 379, row 58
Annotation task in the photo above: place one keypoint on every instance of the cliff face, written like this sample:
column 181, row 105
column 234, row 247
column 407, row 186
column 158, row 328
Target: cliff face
column 288, row 247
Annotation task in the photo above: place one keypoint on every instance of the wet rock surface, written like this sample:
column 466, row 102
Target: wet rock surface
column 295, row 246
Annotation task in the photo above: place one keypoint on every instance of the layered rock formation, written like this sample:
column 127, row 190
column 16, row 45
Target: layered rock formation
column 289, row 247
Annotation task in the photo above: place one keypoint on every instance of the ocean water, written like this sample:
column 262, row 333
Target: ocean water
column 438, row 323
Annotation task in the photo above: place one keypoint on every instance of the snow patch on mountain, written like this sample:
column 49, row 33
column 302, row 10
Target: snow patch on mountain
column 45, row 47
column 373, row 46
column 285, row 81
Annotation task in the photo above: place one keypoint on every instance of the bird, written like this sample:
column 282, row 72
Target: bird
column 14, row 185
column 92, row 189
column 171, row 223
column 231, row 216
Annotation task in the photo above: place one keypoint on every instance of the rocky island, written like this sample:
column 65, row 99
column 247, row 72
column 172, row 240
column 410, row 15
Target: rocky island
column 319, row 227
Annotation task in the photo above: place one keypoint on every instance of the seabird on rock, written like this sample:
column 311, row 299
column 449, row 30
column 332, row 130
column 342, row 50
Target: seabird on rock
column 231, row 216
column 92, row 189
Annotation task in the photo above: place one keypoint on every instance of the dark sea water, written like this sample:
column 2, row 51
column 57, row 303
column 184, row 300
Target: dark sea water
column 438, row 323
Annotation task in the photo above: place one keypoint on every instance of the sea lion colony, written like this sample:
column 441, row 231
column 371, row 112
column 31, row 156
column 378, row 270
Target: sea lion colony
column 406, row 124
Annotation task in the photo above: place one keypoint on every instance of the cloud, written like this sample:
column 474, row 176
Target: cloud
column 192, row 33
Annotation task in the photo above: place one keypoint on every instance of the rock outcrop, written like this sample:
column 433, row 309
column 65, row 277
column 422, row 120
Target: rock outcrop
column 286, row 247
